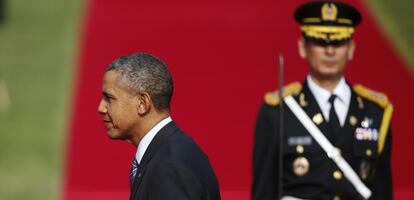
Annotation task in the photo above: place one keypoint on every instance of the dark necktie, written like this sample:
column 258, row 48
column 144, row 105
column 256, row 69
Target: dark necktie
column 333, row 117
column 133, row 172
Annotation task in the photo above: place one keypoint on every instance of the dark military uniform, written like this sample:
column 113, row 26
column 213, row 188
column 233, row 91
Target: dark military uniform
column 308, row 173
column 364, row 141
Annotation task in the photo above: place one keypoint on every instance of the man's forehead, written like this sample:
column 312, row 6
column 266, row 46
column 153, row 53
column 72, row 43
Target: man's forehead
column 112, row 84
column 111, row 76
column 110, row 81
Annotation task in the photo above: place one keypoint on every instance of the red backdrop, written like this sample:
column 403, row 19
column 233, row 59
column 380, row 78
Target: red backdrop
column 222, row 55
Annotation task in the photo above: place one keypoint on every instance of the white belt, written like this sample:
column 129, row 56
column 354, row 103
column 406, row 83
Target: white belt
column 330, row 150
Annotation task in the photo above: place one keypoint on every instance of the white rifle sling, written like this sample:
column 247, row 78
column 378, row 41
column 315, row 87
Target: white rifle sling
column 330, row 150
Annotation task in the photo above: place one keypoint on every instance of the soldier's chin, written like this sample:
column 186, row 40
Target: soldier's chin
column 330, row 73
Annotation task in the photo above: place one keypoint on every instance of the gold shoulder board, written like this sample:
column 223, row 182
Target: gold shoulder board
column 273, row 99
column 377, row 97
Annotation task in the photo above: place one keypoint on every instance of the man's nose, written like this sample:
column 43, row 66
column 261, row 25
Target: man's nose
column 330, row 50
column 102, row 107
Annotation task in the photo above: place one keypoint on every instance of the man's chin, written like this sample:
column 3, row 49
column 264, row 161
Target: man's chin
column 114, row 135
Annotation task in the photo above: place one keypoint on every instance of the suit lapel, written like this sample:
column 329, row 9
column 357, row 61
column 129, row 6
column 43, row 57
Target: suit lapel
column 152, row 149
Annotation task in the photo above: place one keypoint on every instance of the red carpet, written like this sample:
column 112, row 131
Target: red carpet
column 222, row 54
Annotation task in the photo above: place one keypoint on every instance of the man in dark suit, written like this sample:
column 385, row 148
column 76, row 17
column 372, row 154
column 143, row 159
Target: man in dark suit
column 354, row 119
column 137, row 91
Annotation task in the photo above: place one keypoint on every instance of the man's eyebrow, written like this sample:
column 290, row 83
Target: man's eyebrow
column 107, row 94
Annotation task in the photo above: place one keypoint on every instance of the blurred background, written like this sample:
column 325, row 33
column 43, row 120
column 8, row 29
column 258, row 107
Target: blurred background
column 222, row 54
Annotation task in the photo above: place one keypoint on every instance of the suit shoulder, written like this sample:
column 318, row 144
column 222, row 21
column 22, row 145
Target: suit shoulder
column 183, row 147
column 272, row 98
column 378, row 98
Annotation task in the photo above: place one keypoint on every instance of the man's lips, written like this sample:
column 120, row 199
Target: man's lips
column 329, row 63
column 107, row 121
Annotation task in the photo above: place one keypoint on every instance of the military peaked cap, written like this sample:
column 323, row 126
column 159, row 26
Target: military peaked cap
column 327, row 21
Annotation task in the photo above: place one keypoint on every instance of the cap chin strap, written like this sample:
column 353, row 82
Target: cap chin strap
column 331, row 151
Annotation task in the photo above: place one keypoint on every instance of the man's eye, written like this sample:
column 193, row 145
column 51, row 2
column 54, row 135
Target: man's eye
column 106, row 98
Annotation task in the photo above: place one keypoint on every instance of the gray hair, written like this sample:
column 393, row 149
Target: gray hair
column 143, row 72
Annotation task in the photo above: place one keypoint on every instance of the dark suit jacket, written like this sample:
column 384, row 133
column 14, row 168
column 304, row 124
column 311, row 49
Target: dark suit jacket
column 174, row 167
column 322, row 179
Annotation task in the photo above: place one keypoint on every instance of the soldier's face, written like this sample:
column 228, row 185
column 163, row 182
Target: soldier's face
column 326, row 61
column 118, row 108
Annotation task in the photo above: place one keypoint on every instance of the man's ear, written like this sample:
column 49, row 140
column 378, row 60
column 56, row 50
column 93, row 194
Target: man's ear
column 302, row 48
column 351, row 50
column 144, row 103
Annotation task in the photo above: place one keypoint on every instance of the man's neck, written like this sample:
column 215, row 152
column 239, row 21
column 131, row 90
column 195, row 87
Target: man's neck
column 146, row 125
column 328, row 83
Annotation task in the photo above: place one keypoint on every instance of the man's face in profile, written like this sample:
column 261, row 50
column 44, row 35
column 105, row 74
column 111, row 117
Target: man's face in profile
column 117, row 107
column 326, row 60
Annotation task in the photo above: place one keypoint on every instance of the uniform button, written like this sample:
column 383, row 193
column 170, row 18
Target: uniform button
column 368, row 152
column 299, row 149
column 336, row 198
column 337, row 175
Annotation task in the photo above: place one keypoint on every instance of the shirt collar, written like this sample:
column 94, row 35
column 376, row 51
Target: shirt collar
column 146, row 140
column 342, row 91
column 321, row 95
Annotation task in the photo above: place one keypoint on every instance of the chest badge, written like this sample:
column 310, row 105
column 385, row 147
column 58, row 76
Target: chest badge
column 367, row 122
column 300, row 166
column 366, row 134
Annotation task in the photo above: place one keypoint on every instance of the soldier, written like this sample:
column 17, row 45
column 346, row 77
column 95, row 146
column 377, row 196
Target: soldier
column 336, row 136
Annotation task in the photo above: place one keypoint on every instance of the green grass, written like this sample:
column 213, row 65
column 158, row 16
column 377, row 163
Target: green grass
column 396, row 18
column 37, row 54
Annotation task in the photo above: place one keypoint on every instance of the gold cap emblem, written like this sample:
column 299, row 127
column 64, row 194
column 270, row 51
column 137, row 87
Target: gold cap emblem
column 329, row 12
column 300, row 166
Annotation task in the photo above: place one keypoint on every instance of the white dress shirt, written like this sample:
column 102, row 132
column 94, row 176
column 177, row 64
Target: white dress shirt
column 146, row 140
column 341, row 103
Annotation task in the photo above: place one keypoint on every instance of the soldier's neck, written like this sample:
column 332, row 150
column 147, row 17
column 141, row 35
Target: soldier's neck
column 328, row 83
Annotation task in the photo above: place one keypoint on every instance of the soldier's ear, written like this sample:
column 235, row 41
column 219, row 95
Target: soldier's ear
column 301, row 48
column 351, row 50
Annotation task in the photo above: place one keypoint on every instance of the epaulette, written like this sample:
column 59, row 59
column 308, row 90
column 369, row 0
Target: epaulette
column 273, row 99
column 378, row 98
